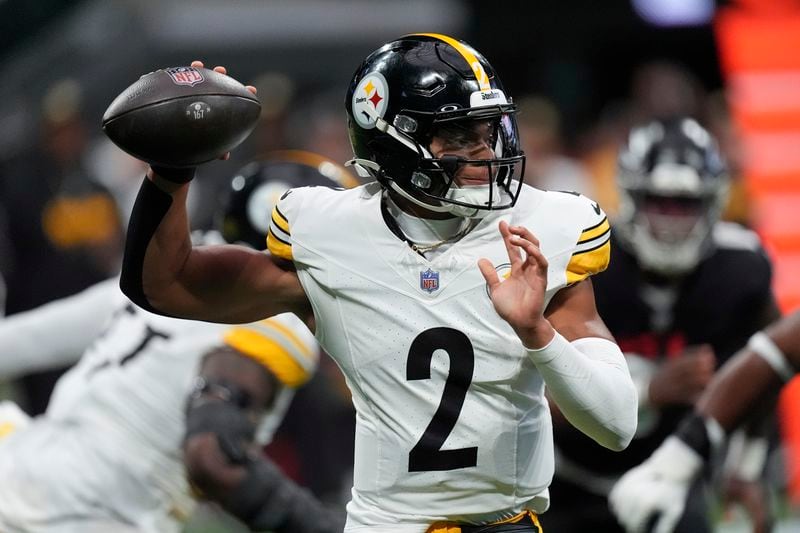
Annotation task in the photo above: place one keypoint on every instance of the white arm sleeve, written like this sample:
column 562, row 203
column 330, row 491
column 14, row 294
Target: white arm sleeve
column 590, row 382
column 56, row 333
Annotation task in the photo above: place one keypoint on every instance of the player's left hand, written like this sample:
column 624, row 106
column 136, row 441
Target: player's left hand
column 519, row 299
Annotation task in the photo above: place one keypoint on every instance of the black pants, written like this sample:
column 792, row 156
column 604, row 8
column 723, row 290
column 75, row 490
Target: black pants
column 526, row 525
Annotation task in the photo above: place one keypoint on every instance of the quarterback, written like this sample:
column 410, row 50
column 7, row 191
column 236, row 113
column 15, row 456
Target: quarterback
column 449, row 293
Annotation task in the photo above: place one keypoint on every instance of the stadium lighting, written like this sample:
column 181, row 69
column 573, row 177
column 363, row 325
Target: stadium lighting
column 675, row 12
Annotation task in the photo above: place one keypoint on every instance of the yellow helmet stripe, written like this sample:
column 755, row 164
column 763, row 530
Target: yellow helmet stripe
column 269, row 353
column 301, row 347
column 472, row 61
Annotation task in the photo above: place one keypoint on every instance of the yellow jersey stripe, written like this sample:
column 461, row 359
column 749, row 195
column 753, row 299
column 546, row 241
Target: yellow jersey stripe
column 280, row 220
column 584, row 264
column 278, row 247
column 280, row 223
column 303, row 348
column 595, row 231
column 466, row 53
column 268, row 353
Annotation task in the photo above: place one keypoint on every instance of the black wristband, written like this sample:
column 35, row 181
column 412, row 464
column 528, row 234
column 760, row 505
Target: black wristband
column 178, row 175
column 149, row 209
column 692, row 431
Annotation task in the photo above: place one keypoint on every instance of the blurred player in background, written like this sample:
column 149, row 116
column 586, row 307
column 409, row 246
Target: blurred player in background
column 654, row 493
column 61, row 229
column 683, row 293
column 447, row 329
column 106, row 455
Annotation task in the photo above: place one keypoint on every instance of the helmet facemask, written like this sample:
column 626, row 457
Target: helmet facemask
column 673, row 185
column 474, row 172
column 667, row 219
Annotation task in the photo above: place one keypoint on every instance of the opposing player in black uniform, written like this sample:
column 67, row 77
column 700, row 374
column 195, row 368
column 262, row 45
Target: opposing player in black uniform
column 683, row 293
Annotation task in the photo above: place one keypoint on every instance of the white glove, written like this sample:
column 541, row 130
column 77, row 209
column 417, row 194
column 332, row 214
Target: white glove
column 657, row 488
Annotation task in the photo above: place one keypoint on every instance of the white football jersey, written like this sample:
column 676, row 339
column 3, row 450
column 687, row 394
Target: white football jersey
column 109, row 445
column 452, row 423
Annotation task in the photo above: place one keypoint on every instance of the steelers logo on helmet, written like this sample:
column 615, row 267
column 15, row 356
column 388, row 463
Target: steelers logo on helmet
column 370, row 99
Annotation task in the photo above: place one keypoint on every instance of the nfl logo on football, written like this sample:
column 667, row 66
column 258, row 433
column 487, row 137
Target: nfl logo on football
column 185, row 76
column 429, row 280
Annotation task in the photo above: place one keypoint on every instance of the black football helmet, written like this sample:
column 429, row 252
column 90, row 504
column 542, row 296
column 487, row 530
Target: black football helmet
column 423, row 86
column 673, row 185
column 244, row 214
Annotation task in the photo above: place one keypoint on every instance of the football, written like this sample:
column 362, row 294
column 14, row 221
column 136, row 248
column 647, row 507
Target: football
column 181, row 116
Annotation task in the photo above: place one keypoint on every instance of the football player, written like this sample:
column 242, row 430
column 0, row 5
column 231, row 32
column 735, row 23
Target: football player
column 655, row 491
column 449, row 293
column 107, row 454
column 683, row 293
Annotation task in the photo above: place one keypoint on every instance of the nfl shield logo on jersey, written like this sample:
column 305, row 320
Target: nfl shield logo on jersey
column 429, row 281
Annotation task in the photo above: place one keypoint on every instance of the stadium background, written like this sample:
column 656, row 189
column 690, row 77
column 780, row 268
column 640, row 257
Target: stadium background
column 584, row 70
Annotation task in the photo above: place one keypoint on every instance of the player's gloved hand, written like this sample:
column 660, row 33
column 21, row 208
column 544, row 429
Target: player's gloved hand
column 654, row 493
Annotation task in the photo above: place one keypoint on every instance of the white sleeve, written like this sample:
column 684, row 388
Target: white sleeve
column 57, row 333
column 590, row 382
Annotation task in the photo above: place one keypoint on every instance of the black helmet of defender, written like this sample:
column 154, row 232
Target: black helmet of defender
column 673, row 185
column 252, row 193
column 421, row 86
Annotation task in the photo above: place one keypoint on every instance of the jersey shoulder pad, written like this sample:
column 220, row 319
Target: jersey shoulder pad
column 729, row 235
column 592, row 249
column 304, row 215
column 282, row 344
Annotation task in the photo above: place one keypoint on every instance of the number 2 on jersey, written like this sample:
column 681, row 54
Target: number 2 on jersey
column 427, row 455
